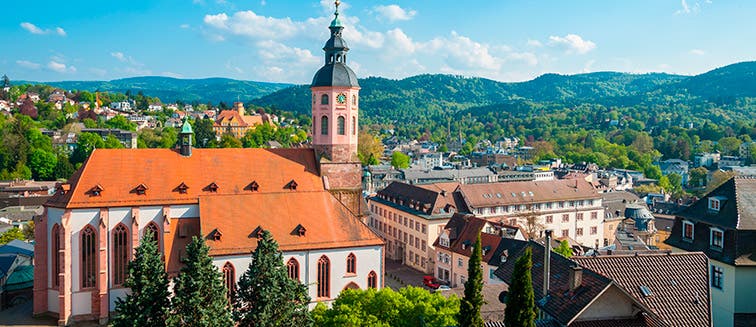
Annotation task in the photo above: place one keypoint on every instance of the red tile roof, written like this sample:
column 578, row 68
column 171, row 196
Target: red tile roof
column 119, row 171
column 512, row 193
column 326, row 222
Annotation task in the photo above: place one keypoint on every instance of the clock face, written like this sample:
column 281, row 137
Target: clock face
column 341, row 98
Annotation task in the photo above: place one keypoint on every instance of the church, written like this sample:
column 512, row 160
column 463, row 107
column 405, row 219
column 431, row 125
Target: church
column 308, row 198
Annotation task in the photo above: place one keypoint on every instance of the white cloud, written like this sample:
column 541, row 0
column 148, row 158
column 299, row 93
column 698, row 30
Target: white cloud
column 119, row 55
column 573, row 43
column 249, row 24
column 60, row 67
column 462, row 53
column 273, row 51
column 394, row 13
column 34, row 29
column 697, row 52
column 691, row 8
column 534, row 43
column 28, row 64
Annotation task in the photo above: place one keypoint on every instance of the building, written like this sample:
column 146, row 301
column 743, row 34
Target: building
column 731, row 161
column 454, row 247
column 463, row 176
column 675, row 166
column 617, row 290
column 235, row 122
column 429, row 160
column 68, row 141
column 16, row 272
column 227, row 196
column 722, row 224
column 744, row 151
column 572, row 208
column 706, row 159
column 410, row 218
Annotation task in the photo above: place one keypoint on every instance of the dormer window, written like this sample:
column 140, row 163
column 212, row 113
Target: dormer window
column 300, row 230
column 716, row 238
column 182, row 188
column 254, row 187
column 443, row 240
column 212, row 187
column 141, row 189
column 688, row 229
column 715, row 203
column 216, row 235
column 96, row 190
column 257, row 233
column 291, row 185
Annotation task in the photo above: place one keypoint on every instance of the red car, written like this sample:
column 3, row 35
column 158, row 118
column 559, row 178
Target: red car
column 431, row 282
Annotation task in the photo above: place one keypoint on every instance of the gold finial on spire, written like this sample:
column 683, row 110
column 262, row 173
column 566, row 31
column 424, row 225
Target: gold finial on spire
column 337, row 3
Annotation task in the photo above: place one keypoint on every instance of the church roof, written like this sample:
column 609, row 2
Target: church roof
column 302, row 220
column 335, row 74
column 161, row 171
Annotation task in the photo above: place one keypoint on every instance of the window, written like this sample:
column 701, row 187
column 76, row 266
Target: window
column 687, row 230
column 354, row 100
column 324, row 125
column 229, row 280
column 120, row 245
column 153, row 230
column 579, row 216
column 351, row 264
column 716, row 237
column 354, row 125
column 411, row 241
column 55, row 255
column 459, row 262
column 594, row 215
column 549, row 219
column 424, row 229
column 714, row 204
column 417, row 242
column 324, row 277
column 340, row 125
column 424, row 245
column 293, row 267
column 324, row 99
column 579, row 231
column 372, row 281
column 88, row 257
column 594, row 230
column 565, row 232
column 717, row 275
column 565, row 218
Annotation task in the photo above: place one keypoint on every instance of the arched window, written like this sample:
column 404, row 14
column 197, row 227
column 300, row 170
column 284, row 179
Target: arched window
column 229, row 280
column 153, row 229
column 293, row 267
column 324, row 277
column 88, row 257
column 340, row 128
column 372, row 280
column 55, row 255
column 351, row 264
column 354, row 100
column 324, row 125
column 354, row 125
column 120, row 246
column 324, row 99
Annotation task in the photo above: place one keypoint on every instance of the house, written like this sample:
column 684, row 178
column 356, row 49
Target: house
column 454, row 245
column 410, row 218
column 675, row 166
column 730, row 161
column 429, row 160
column 236, row 121
column 16, row 259
column 308, row 198
column 121, row 105
column 706, row 159
column 157, row 106
column 617, row 290
column 722, row 224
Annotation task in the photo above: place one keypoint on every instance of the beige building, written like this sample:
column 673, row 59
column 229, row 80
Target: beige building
column 409, row 218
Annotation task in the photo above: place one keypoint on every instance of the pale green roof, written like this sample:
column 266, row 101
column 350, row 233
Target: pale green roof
column 186, row 128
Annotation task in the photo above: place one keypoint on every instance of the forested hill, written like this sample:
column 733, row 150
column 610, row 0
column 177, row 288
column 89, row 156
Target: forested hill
column 423, row 95
column 172, row 89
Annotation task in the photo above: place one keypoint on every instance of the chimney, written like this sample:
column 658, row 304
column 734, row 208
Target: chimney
column 576, row 277
column 546, row 263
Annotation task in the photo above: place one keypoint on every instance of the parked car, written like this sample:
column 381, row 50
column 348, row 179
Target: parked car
column 431, row 282
column 441, row 288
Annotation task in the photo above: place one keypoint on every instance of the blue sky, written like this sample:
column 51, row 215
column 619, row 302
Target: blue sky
column 281, row 41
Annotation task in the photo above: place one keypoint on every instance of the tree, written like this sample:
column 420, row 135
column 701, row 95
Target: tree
column 675, row 181
column 229, row 141
column 266, row 295
column 199, row 295
column 533, row 225
column 751, row 154
column 698, row 176
column 521, row 310
column 28, row 230
column 564, row 249
column 148, row 303
column 203, row 132
column 408, row 307
column 718, row 178
column 12, row 234
column 120, row 122
column 86, row 143
column 729, row 145
column 42, row 164
column 652, row 172
column 399, row 160
column 469, row 307
column 369, row 148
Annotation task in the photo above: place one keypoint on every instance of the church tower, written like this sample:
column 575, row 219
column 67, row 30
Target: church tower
column 335, row 102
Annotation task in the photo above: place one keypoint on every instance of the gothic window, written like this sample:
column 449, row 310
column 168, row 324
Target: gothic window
column 88, row 257
column 340, row 122
column 293, row 267
column 354, row 100
column 55, row 255
column 351, row 264
column 324, row 125
column 354, row 125
column 372, row 281
column 324, row 277
column 120, row 246
column 154, row 231
column 324, row 99
column 229, row 280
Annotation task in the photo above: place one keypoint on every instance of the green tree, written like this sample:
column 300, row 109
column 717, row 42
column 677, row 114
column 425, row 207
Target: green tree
column 266, row 295
column 63, row 167
column 111, row 142
column 399, row 160
column 469, row 307
column 751, row 157
column 203, row 132
column 729, row 145
column 148, row 302
column 12, row 234
column 42, row 164
column 698, row 176
column 199, row 298
column 564, row 249
column 86, row 143
column 120, row 122
column 369, row 148
column 675, row 182
column 665, row 184
column 229, row 141
column 520, row 310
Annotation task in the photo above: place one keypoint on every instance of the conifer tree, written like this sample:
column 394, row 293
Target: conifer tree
column 148, row 302
column 199, row 295
column 266, row 296
column 469, row 306
column 521, row 309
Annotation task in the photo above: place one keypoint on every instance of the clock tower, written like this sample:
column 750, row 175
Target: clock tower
column 335, row 102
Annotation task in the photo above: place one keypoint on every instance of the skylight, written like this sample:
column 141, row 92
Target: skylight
column 645, row 290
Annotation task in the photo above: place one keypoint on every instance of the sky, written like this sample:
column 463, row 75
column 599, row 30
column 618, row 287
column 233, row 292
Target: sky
column 281, row 41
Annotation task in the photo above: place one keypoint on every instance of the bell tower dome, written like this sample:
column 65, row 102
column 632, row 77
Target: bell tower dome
column 335, row 101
